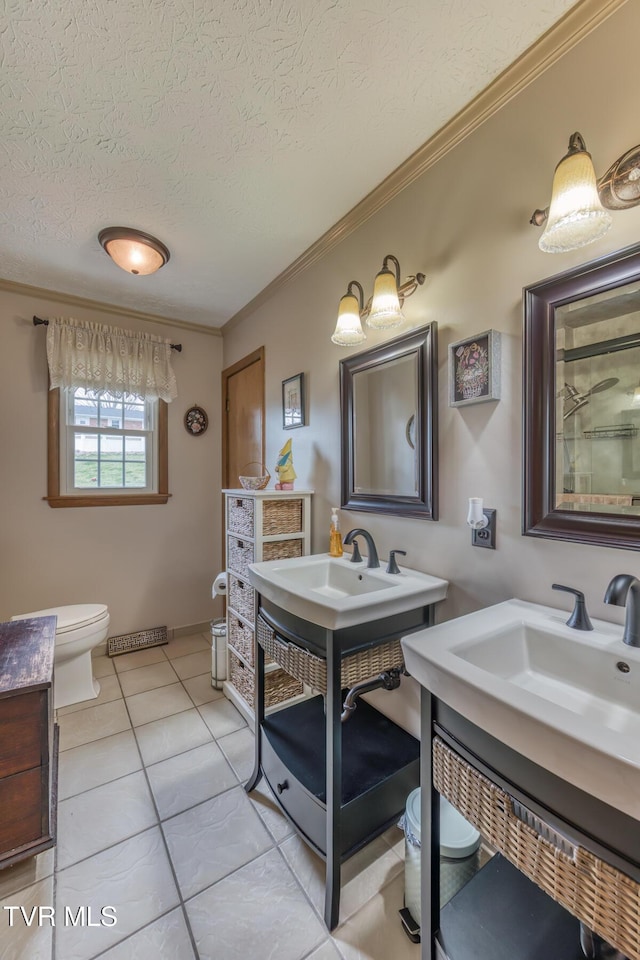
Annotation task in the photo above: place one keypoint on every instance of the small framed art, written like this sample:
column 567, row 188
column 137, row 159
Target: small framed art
column 293, row 413
column 196, row 421
column 474, row 369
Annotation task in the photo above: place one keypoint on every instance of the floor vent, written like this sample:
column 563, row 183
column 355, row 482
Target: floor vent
column 127, row 642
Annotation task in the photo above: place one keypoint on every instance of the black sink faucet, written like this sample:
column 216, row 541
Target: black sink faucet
column 624, row 589
column 371, row 547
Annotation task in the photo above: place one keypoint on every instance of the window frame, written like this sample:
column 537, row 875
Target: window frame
column 56, row 498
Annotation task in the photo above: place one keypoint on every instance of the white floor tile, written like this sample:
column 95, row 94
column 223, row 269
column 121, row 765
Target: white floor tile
column 26, row 873
column 101, row 817
column 192, row 665
column 172, row 735
column 260, row 907
column 375, row 931
column 102, row 667
column 328, row 951
column 134, row 877
column 20, row 941
column 183, row 646
column 394, row 836
column 147, row 678
column 91, row 724
column 221, row 717
column 109, row 690
column 239, row 748
column 93, row 764
column 139, row 658
column 164, row 939
column 271, row 815
column 189, row 778
column 213, row 839
column 154, row 704
column 200, row 690
column 362, row 876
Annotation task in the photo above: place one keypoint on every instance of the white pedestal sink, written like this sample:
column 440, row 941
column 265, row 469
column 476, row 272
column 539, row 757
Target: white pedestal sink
column 567, row 699
column 335, row 593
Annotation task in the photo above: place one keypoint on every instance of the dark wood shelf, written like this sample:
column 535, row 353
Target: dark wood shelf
column 501, row 915
column 373, row 747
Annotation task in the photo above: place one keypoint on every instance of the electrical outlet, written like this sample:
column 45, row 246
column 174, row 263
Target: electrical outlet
column 486, row 537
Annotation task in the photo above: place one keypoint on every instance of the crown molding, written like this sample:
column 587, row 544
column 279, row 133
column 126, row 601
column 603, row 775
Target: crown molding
column 26, row 290
column 573, row 27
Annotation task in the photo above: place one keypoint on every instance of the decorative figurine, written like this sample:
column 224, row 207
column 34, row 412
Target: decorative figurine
column 284, row 468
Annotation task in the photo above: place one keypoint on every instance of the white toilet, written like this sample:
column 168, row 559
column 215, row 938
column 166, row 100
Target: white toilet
column 80, row 628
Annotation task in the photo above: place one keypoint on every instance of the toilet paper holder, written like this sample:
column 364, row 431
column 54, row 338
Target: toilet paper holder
column 219, row 585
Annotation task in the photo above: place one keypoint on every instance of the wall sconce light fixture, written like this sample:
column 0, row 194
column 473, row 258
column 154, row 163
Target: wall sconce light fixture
column 385, row 311
column 578, row 212
column 349, row 328
column 382, row 311
column 136, row 252
column 482, row 521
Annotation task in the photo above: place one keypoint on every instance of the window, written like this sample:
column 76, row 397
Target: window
column 106, row 449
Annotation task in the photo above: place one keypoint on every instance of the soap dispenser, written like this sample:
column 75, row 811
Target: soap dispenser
column 335, row 538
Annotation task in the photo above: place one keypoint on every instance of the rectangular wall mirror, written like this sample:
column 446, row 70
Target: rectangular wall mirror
column 388, row 400
column 582, row 404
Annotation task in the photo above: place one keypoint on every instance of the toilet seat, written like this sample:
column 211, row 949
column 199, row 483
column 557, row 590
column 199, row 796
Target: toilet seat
column 71, row 617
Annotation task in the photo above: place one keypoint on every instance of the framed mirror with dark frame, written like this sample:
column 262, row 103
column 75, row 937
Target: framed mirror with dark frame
column 582, row 404
column 388, row 403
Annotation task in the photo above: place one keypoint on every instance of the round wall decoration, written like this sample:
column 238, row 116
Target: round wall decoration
column 196, row 421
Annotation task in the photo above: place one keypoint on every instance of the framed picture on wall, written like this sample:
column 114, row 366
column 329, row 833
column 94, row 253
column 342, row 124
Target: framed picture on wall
column 293, row 413
column 474, row 369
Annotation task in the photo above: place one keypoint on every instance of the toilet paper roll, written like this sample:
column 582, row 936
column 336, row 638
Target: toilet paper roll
column 219, row 585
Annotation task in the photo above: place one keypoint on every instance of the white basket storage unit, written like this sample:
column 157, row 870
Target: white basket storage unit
column 259, row 525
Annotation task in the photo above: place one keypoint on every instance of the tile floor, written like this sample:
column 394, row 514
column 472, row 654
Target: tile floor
column 153, row 821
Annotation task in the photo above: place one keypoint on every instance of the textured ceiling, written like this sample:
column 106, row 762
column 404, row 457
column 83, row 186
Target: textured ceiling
column 236, row 131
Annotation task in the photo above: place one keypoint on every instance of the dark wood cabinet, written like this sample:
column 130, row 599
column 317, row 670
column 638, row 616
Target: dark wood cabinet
column 28, row 739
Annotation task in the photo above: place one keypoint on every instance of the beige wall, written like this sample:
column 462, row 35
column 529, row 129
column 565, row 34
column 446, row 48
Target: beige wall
column 465, row 224
column 152, row 565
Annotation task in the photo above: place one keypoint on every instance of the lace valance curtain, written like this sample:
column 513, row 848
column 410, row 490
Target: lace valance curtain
column 98, row 357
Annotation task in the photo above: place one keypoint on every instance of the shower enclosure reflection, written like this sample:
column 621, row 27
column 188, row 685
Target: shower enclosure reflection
column 582, row 404
column 597, row 410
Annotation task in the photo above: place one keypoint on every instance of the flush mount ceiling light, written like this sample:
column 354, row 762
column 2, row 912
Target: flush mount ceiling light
column 578, row 213
column 382, row 311
column 134, row 251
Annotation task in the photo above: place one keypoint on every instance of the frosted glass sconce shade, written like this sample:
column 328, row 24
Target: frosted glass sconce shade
column 576, row 215
column 475, row 517
column 136, row 252
column 349, row 328
column 385, row 309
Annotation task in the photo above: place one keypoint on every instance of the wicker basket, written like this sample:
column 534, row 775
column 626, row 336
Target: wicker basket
column 281, row 549
column 255, row 483
column 239, row 555
column 312, row 670
column 240, row 515
column 606, row 900
column 240, row 637
column 278, row 685
column 242, row 598
column 281, row 516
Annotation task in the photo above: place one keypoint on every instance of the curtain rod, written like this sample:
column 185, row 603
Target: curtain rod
column 37, row 322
